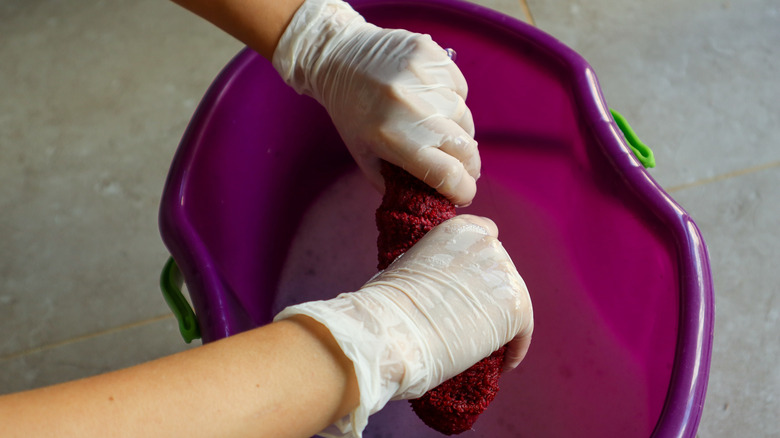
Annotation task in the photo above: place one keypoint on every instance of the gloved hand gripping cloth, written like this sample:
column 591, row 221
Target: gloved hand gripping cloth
column 451, row 299
column 392, row 94
column 409, row 209
column 396, row 96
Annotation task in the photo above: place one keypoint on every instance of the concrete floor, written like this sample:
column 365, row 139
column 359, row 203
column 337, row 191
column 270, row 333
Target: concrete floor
column 94, row 96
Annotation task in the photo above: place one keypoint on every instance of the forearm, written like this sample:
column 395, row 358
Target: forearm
column 287, row 379
column 257, row 23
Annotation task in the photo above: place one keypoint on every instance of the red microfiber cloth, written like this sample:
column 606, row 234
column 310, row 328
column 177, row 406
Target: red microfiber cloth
column 410, row 208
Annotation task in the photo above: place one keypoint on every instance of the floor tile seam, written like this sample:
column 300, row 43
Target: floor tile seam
column 527, row 12
column 82, row 338
column 724, row 176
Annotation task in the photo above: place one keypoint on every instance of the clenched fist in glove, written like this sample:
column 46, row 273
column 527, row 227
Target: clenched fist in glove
column 451, row 300
column 392, row 95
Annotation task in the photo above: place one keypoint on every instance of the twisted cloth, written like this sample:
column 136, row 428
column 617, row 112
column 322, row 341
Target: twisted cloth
column 410, row 208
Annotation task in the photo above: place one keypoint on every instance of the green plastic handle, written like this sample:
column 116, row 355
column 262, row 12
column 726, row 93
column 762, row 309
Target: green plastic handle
column 642, row 152
column 171, row 282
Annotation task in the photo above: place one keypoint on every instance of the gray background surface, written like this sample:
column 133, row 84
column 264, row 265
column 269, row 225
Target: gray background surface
column 94, row 96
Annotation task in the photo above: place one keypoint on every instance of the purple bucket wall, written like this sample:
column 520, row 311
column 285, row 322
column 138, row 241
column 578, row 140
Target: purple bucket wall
column 618, row 272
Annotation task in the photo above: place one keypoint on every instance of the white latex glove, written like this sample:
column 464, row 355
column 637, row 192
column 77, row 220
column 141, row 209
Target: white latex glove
column 391, row 94
column 451, row 300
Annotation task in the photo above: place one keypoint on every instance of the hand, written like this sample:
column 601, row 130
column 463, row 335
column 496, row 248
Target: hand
column 451, row 300
column 392, row 95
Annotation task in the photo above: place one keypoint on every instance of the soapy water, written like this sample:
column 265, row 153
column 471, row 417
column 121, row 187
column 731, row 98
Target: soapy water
column 334, row 250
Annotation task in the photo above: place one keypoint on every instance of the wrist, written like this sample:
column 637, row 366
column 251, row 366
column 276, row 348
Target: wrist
column 327, row 350
column 309, row 39
column 362, row 337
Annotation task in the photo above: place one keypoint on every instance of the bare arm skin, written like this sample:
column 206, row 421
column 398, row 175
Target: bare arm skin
column 257, row 23
column 241, row 386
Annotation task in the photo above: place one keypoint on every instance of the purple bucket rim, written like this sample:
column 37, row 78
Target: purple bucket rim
column 176, row 229
column 687, row 389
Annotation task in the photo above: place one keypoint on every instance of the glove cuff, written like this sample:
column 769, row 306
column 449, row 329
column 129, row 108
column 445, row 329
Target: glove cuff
column 359, row 343
column 303, row 47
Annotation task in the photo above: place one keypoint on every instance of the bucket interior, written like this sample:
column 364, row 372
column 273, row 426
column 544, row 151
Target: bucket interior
column 265, row 208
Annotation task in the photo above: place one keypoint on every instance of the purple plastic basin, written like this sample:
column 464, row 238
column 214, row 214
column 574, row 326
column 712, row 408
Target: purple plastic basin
column 263, row 207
